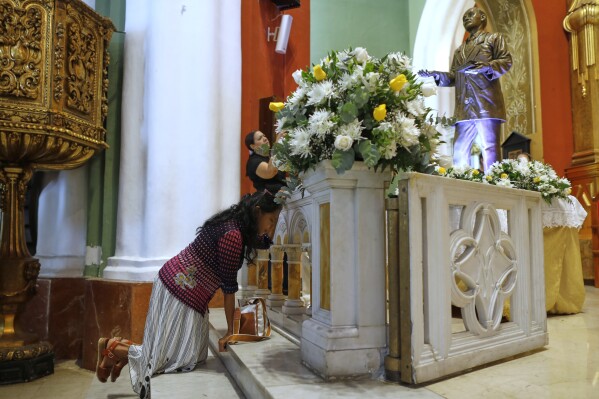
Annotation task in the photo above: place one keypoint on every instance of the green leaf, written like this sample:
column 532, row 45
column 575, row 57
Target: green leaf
column 361, row 97
column 370, row 153
column 343, row 160
column 349, row 111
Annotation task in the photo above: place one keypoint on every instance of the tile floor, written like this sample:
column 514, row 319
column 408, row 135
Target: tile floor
column 567, row 368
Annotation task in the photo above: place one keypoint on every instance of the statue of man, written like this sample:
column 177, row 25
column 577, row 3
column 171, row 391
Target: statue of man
column 477, row 65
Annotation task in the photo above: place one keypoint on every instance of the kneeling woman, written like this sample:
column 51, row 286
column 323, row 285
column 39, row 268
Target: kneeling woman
column 176, row 331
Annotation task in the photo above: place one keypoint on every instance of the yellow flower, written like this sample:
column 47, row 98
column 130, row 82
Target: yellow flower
column 475, row 172
column 441, row 170
column 536, row 179
column 319, row 74
column 568, row 191
column 398, row 82
column 380, row 112
column 276, row 107
column 503, row 176
column 489, row 177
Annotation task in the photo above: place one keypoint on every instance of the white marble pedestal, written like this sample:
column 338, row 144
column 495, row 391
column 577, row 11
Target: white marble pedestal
column 346, row 334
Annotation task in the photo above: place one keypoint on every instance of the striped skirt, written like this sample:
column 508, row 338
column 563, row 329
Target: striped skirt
column 175, row 340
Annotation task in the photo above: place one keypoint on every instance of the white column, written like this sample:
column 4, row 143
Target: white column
column 62, row 220
column 180, row 129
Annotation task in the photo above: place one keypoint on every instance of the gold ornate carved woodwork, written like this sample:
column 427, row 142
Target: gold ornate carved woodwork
column 581, row 22
column 21, row 50
column 24, row 352
column 53, row 103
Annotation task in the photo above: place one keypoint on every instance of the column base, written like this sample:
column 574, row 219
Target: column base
column 294, row 306
column 342, row 351
column 246, row 292
column 275, row 300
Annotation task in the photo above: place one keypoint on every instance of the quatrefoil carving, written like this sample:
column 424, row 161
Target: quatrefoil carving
column 483, row 266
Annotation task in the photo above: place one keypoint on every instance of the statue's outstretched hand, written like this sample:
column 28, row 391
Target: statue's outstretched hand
column 425, row 73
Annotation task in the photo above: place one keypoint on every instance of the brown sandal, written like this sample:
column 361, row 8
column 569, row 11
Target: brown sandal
column 101, row 372
column 121, row 362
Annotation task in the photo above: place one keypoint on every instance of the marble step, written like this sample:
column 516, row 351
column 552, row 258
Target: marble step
column 272, row 369
column 208, row 380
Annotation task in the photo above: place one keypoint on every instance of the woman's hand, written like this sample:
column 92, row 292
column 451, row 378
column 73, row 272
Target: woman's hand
column 222, row 342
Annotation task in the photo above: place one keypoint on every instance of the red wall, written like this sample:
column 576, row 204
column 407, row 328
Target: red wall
column 264, row 72
column 554, row 65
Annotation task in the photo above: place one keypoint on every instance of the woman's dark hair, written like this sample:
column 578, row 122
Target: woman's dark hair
column 245, row 213
column 249, row 139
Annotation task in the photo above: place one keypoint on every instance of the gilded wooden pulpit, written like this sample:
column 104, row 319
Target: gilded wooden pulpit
column 53, row 88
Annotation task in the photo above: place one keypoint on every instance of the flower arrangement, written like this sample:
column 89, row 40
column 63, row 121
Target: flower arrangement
column 354, row 106
column 522, row 174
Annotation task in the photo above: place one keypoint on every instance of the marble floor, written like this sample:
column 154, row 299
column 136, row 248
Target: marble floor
column 567, row 368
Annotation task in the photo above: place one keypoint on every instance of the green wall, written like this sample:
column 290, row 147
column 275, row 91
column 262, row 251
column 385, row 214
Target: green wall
column 380, row 26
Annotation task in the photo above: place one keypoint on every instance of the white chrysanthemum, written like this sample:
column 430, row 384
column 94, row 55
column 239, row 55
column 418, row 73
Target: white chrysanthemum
column 460, row 169
column 416, row 107
column 386, row 126
column 320, row 122
column 352, row 129
column 320, row 92
column 400, row 60
column 347, row 81
column 390, row 151
column 522, row 168
column 409, row 131
column 280, row 123
column 504, row 183
column 300, row 142
column 371, row 80
column 296, row 98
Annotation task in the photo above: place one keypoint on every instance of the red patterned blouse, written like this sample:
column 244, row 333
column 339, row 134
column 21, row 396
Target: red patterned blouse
column 210, row 262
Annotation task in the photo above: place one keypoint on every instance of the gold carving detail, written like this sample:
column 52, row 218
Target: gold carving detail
column 21, row 37
column 82, row 62
column 59, row 61
column 581, row 21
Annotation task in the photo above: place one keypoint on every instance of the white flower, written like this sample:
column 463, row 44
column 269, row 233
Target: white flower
column 390, row 151
column 320, row 122
column 371, row 80
column 352, row 129
column 400, row 60
column 429, row 90
column 343, row 143
column 416, row 107
column 320, row 92
column 522, row 168
column 280, row 123
column 300, row 142
column 409, row 131
column 297, row 76
column 504, row 183
column 297, row 96
column 361, row 55
column 347, row 81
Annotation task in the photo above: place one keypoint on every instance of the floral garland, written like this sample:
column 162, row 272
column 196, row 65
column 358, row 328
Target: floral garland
column 354, row 106
column 522, row 174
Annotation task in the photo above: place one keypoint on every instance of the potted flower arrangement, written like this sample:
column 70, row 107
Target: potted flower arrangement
column 511, row 173
column 353, row 106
